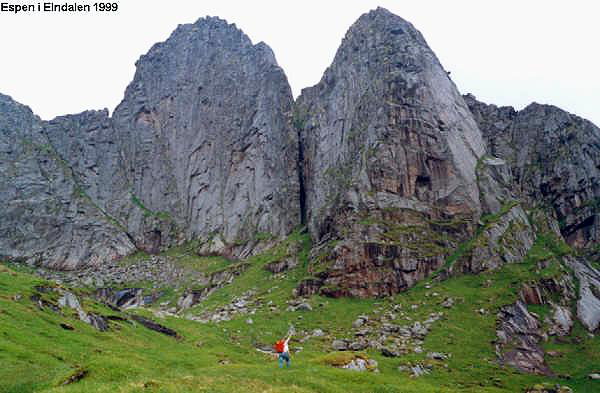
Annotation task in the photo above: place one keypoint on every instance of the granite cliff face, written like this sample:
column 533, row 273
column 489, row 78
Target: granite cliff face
column 206, row 137
column 389, row 159
column 199, row 149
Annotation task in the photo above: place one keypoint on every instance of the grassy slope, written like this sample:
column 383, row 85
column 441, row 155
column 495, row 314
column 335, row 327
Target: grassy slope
column 38, row 355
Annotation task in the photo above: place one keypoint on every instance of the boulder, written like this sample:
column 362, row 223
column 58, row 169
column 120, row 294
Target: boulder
column 390, row 352
column 340, row 345
column 360, row 364
column 361, row 320
column 437, row 356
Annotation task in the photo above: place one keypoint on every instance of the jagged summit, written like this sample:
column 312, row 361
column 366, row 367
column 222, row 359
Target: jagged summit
column 381, row 15
column 383, row 21
column 215, row 33
column 534, row 106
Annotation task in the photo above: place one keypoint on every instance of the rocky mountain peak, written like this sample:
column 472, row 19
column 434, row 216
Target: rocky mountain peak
column 386, row 137
column 210, row 167
column 377, row 178
column 197, row 150
column 381, row 24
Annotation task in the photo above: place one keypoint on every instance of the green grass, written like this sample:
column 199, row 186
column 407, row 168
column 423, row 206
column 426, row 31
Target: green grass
column 201, row 264
column 38, row 355
column 164, row 216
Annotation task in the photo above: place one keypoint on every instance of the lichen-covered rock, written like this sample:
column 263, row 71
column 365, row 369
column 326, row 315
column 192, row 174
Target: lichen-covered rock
column 547, row 291
column 386, row 138
column 506, row 239
column 340, row 345
column 505, row 235
column 69, row 300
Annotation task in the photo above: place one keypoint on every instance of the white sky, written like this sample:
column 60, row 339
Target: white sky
column 504, row 52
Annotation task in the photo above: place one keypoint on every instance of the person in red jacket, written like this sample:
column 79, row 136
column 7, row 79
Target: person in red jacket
column 284, row 351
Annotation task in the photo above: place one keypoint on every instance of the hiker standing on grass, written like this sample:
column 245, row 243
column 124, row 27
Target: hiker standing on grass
column 283, row 349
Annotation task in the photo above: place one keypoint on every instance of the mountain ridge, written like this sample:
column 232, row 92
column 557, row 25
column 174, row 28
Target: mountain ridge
column 382, row 145
column 401, row 228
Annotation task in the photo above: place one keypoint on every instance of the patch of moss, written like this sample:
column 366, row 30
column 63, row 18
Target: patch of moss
column 341, row 358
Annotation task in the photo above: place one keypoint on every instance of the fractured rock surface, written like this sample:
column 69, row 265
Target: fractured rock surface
column 45, row 218
column 207, row 135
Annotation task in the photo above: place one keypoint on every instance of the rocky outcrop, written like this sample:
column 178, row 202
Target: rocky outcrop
column 558, row 293
column 66, row 300
column 555, row 160
column 546, row 291
column 521, row 332
column 283, row 265
column 126, row 298
column 505, row 240
column 505, row 234
column 210, row 283
column 519, row 336
column 387, row 140
column 157, row 327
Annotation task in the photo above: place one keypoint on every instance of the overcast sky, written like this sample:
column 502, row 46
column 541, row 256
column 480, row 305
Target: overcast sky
column 504, row 52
